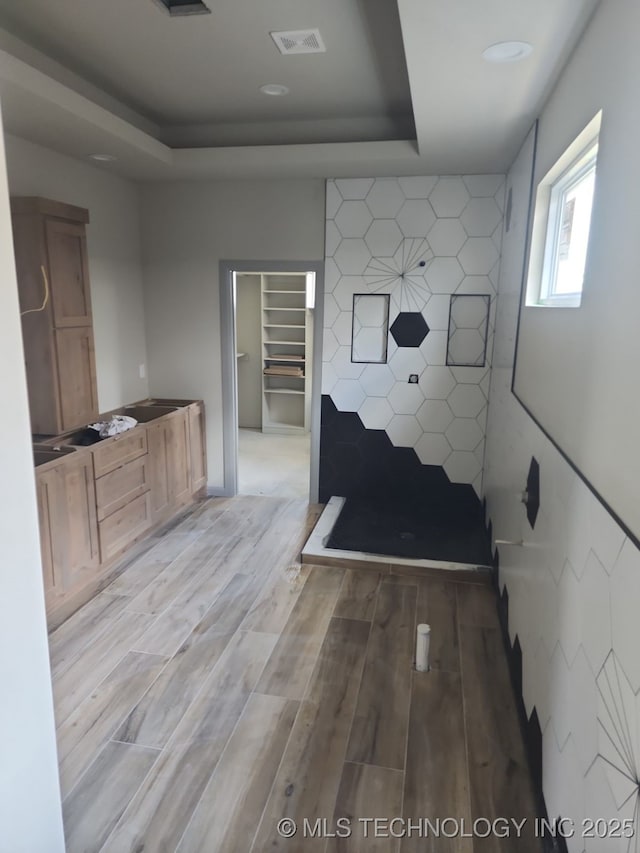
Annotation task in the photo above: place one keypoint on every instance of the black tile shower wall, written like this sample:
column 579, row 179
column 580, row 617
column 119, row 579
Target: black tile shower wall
column 395, row 504
column 359, row 462
column 533, row 492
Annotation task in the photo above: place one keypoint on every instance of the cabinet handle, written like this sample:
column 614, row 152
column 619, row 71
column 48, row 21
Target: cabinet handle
column 45, row 300
column 45, row 282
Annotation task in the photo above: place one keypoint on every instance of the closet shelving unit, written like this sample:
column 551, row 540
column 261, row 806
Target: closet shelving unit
column 286, row 351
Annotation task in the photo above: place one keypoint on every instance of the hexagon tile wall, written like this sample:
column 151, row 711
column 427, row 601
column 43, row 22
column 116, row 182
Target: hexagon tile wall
column 572, row 591
column 420, row 239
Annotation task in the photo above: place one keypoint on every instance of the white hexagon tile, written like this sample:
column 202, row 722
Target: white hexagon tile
column 575, row 589
column 446, row 238
column 449, row 197
column 416, row 217
column 352, row 220
column 444, row 275
column 375, row 413
column 419, row 239
column 435, row 416
column 385, row 198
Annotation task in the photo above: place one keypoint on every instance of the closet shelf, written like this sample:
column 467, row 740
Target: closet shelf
column 285, row 391
column 284, row 326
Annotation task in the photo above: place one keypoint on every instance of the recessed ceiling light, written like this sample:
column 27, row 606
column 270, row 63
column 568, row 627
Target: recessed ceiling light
column 103, row 158
column 507, row 51
column 274, row 89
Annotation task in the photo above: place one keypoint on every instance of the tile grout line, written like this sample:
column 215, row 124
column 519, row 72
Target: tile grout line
column 110, row 738
column 132, row 798
column 370, row 764
column 157, row 749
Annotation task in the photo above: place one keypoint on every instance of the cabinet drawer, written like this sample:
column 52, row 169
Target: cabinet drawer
column 119, row 450
column 121, row 486
column 123, row 526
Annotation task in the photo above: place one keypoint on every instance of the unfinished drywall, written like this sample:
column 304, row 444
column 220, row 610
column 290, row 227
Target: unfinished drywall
column 188, row 228
column 113, row 244
column 577, row 368
column 249, row 343
column 30, row 812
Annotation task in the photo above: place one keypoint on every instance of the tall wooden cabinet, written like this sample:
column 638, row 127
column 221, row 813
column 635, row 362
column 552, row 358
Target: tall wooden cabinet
column 51, row 261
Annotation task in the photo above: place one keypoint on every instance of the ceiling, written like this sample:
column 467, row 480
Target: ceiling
column 401, row 89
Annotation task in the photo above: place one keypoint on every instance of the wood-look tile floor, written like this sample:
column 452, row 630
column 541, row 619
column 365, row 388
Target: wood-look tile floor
column 212, row 690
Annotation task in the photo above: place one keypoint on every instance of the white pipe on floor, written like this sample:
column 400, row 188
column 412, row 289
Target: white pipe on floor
column 422, row 647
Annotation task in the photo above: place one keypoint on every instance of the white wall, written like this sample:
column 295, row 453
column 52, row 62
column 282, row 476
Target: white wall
column 574, row 586
column 113, row 242
column 187, row 229
column 249, row 343
column 30, row 812
column 577, row 369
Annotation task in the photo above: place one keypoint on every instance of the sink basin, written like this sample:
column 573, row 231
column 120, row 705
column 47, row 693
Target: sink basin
column 43, row 455
column 144, row 414
column 178, row 404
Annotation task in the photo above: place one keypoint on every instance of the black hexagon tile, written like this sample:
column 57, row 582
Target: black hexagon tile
column 533, row 492
column 409, row 329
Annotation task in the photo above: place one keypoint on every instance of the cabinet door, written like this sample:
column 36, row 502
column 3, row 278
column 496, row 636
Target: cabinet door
column 158, row 471
column 178, row 461
column 197, row 447
column 76, row 368
column 74, row 526
column 52, row 574
column 68, row 273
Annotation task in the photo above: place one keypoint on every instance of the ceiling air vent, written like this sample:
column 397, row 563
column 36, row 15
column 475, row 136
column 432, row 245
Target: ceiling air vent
column 299, row 41
column 184, row 7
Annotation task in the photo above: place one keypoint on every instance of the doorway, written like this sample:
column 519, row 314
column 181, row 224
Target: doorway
column 271, row 356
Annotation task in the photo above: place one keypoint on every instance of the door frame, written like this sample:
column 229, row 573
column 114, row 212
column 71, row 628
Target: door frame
column 229, row 365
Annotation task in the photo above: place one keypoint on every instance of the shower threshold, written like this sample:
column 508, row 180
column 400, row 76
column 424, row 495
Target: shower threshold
column 317, row 552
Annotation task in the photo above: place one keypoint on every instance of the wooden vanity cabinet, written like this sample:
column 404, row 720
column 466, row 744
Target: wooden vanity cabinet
column 170, row 472
column 68, row 525
column 197, row 447
column 96, row 503
column 51, row 262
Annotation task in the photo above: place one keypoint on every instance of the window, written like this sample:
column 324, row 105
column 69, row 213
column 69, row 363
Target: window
column 568, row 232
column 562, row 222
